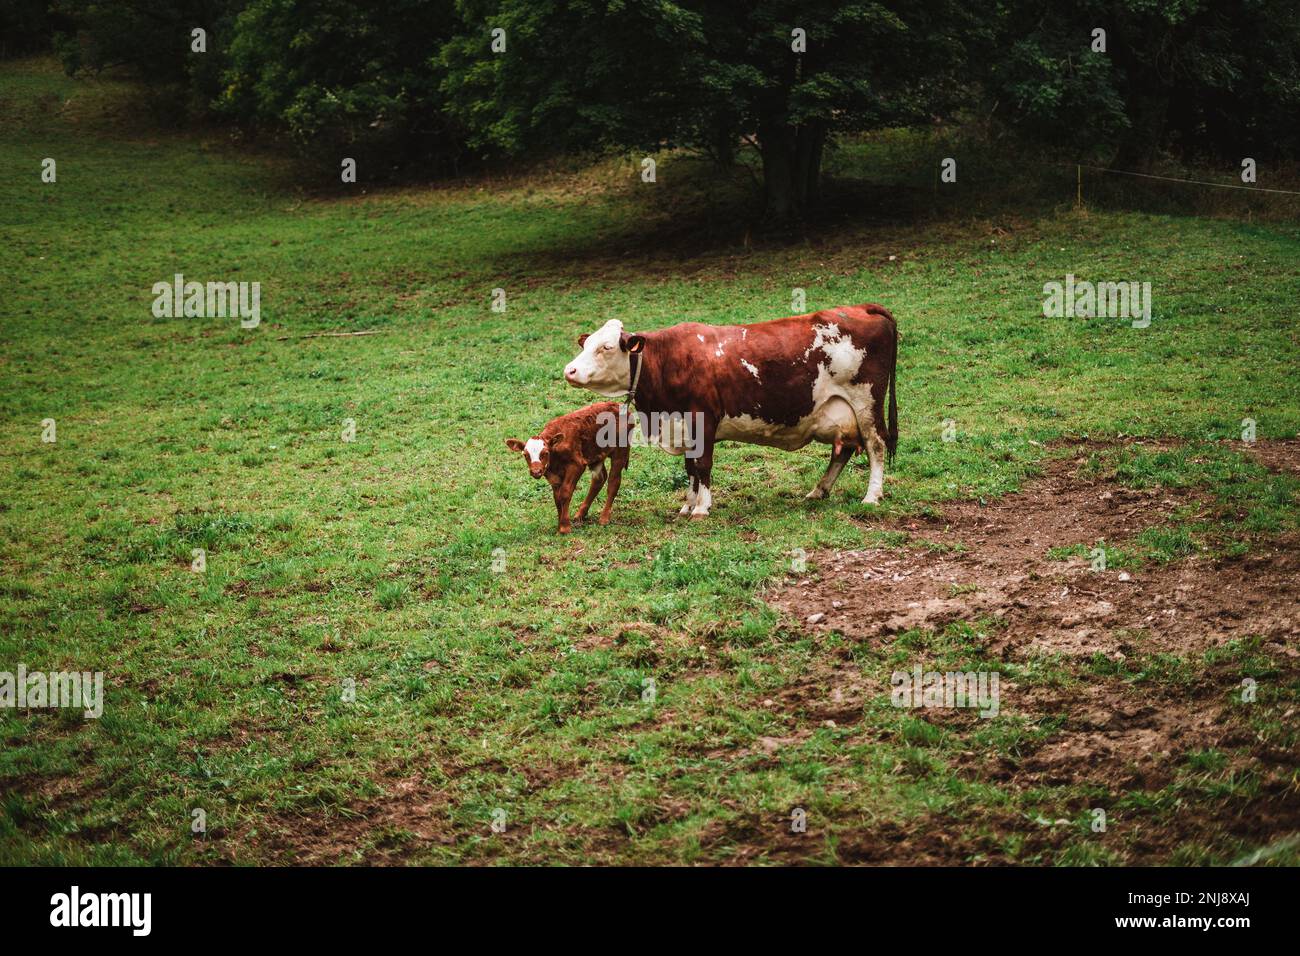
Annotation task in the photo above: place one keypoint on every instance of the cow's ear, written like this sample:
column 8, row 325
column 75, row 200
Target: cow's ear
column 633, row 343
column 582, row 339
column 514, row 444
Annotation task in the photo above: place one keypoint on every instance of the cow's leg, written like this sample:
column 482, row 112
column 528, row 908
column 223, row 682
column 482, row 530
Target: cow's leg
column 615, row 477
column 703, row 472
column 876, row 452
column 840, row 456
column 597, row 481
column 690, row 491
column 876, row 446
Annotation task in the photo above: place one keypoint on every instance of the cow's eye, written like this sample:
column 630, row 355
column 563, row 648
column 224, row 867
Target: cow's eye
column 607, row 348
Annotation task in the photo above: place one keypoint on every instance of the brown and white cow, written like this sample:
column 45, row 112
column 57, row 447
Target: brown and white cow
column 816, row 377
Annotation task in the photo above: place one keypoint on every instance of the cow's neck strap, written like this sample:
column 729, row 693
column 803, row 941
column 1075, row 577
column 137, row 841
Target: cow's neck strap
column 637, row 364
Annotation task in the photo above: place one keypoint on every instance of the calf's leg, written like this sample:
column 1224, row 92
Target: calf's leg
column 563, row 490
column 615, row 477
column 597, row 480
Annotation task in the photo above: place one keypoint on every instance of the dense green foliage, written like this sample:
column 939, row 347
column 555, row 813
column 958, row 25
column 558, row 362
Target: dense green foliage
column 417, row 83
column 28, row 26
column 333, row 73
column 706, row 74
column 154, row 40
column 1204, row 77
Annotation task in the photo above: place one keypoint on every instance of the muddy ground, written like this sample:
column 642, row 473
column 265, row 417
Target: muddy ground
column 989, row 561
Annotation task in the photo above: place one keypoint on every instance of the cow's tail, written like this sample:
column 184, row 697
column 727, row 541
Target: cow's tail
column 891, row 437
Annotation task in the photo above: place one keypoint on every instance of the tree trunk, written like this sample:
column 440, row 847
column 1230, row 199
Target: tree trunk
column 812, row 138
column 778, row 182
column 1146, row 101
column 1147, row 113
column 724, row 140
column 792, row 159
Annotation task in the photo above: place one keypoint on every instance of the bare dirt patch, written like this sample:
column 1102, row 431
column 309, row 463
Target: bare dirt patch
column 383, row 831
column 991, row 560
column 1121, row 736
column 410, row 817
column 1282, row 455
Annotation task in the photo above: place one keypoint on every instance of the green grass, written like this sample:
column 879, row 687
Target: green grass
column 1246, row 500
column 1115, row 558
column 355, row 628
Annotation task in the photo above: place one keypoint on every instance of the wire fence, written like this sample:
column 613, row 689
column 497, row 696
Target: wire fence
column 1079, row 167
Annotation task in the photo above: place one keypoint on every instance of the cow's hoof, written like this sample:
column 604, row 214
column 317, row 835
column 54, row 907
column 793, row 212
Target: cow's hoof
column 603, row 519
column 565, row 529
column 698, row 515
column 868, row 500
column 817, row 494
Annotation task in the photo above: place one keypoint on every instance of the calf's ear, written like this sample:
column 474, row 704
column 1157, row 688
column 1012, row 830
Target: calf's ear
column 582, row 339
column 514, row 444
column 633, row 343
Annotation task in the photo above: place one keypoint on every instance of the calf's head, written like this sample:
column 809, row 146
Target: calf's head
column 604, row 364
column 536, row 453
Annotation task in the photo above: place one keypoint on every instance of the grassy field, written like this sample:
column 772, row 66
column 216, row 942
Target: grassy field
column 369, row 564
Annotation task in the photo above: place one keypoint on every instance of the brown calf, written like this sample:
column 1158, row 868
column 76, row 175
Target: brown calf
column 567, row 447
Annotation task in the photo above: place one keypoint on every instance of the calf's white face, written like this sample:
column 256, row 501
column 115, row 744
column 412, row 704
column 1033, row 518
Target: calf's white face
column 603, row 365
column 535, row 453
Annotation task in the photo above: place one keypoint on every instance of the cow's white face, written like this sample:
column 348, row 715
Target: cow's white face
column 603, row 365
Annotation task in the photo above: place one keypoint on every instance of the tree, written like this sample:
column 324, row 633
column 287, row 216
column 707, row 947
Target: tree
column 417, row 79
column 1199, row 76
column 334, row 73
column 153, row 39
column 706, row 74
column 28, row 26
